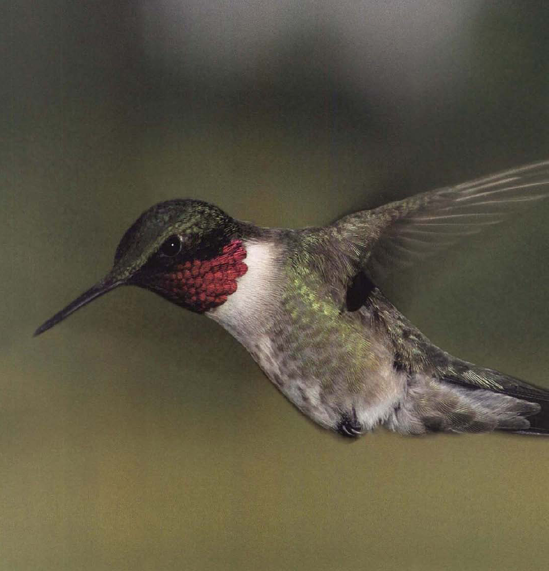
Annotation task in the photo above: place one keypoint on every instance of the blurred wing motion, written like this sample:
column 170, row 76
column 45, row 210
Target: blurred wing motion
column 397, row 234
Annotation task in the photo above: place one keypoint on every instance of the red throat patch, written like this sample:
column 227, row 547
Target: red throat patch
column 205, row 284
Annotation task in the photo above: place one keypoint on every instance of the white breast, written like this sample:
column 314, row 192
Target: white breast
column 247, row 311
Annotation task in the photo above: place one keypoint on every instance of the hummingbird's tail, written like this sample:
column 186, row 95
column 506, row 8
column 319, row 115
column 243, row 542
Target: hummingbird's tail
column 532, row 402
column 447, row 394
column 467, row 398
column 539, row 422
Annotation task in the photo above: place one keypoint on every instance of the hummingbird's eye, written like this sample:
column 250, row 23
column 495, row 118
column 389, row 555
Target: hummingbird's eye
column 171, row 247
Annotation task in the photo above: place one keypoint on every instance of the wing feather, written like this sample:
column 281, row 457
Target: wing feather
column 399, row 233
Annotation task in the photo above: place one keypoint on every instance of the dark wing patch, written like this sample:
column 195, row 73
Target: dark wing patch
column 358, row 292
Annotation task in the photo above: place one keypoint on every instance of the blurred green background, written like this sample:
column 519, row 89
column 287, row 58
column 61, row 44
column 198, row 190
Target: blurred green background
column 137, row 436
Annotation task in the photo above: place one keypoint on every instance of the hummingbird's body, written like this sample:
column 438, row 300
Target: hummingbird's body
column 305, row 304
column 350, row 370
column 316, row 353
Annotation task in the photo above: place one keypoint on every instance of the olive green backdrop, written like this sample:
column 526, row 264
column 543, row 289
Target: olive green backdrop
column 136, row 436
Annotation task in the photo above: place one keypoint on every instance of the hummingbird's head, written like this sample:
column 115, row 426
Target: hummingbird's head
column 188, row 251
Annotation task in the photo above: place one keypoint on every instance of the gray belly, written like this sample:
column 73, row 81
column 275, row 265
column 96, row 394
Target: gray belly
column 328, row 383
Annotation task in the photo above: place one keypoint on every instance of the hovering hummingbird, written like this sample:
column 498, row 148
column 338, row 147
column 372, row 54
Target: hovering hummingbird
column 305, row 303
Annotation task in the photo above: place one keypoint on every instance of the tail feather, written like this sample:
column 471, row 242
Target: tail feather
column 434, row 406
column 539, row 422
column 448, row 394
column 532, row 401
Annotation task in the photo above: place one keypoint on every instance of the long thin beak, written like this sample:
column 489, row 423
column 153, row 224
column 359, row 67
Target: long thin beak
column 94, row 292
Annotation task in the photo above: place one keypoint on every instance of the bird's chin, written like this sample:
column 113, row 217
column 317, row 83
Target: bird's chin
column 182, row 301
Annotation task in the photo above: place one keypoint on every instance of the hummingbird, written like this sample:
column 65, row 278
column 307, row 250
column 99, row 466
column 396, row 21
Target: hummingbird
column 307, row 306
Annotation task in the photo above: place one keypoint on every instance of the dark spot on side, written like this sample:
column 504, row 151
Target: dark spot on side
column 461, row 420
column 400, row 365
column 358, row 292
column 433, row 423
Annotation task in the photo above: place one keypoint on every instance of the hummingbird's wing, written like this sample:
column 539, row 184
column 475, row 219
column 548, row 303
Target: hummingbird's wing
column 397, row 234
